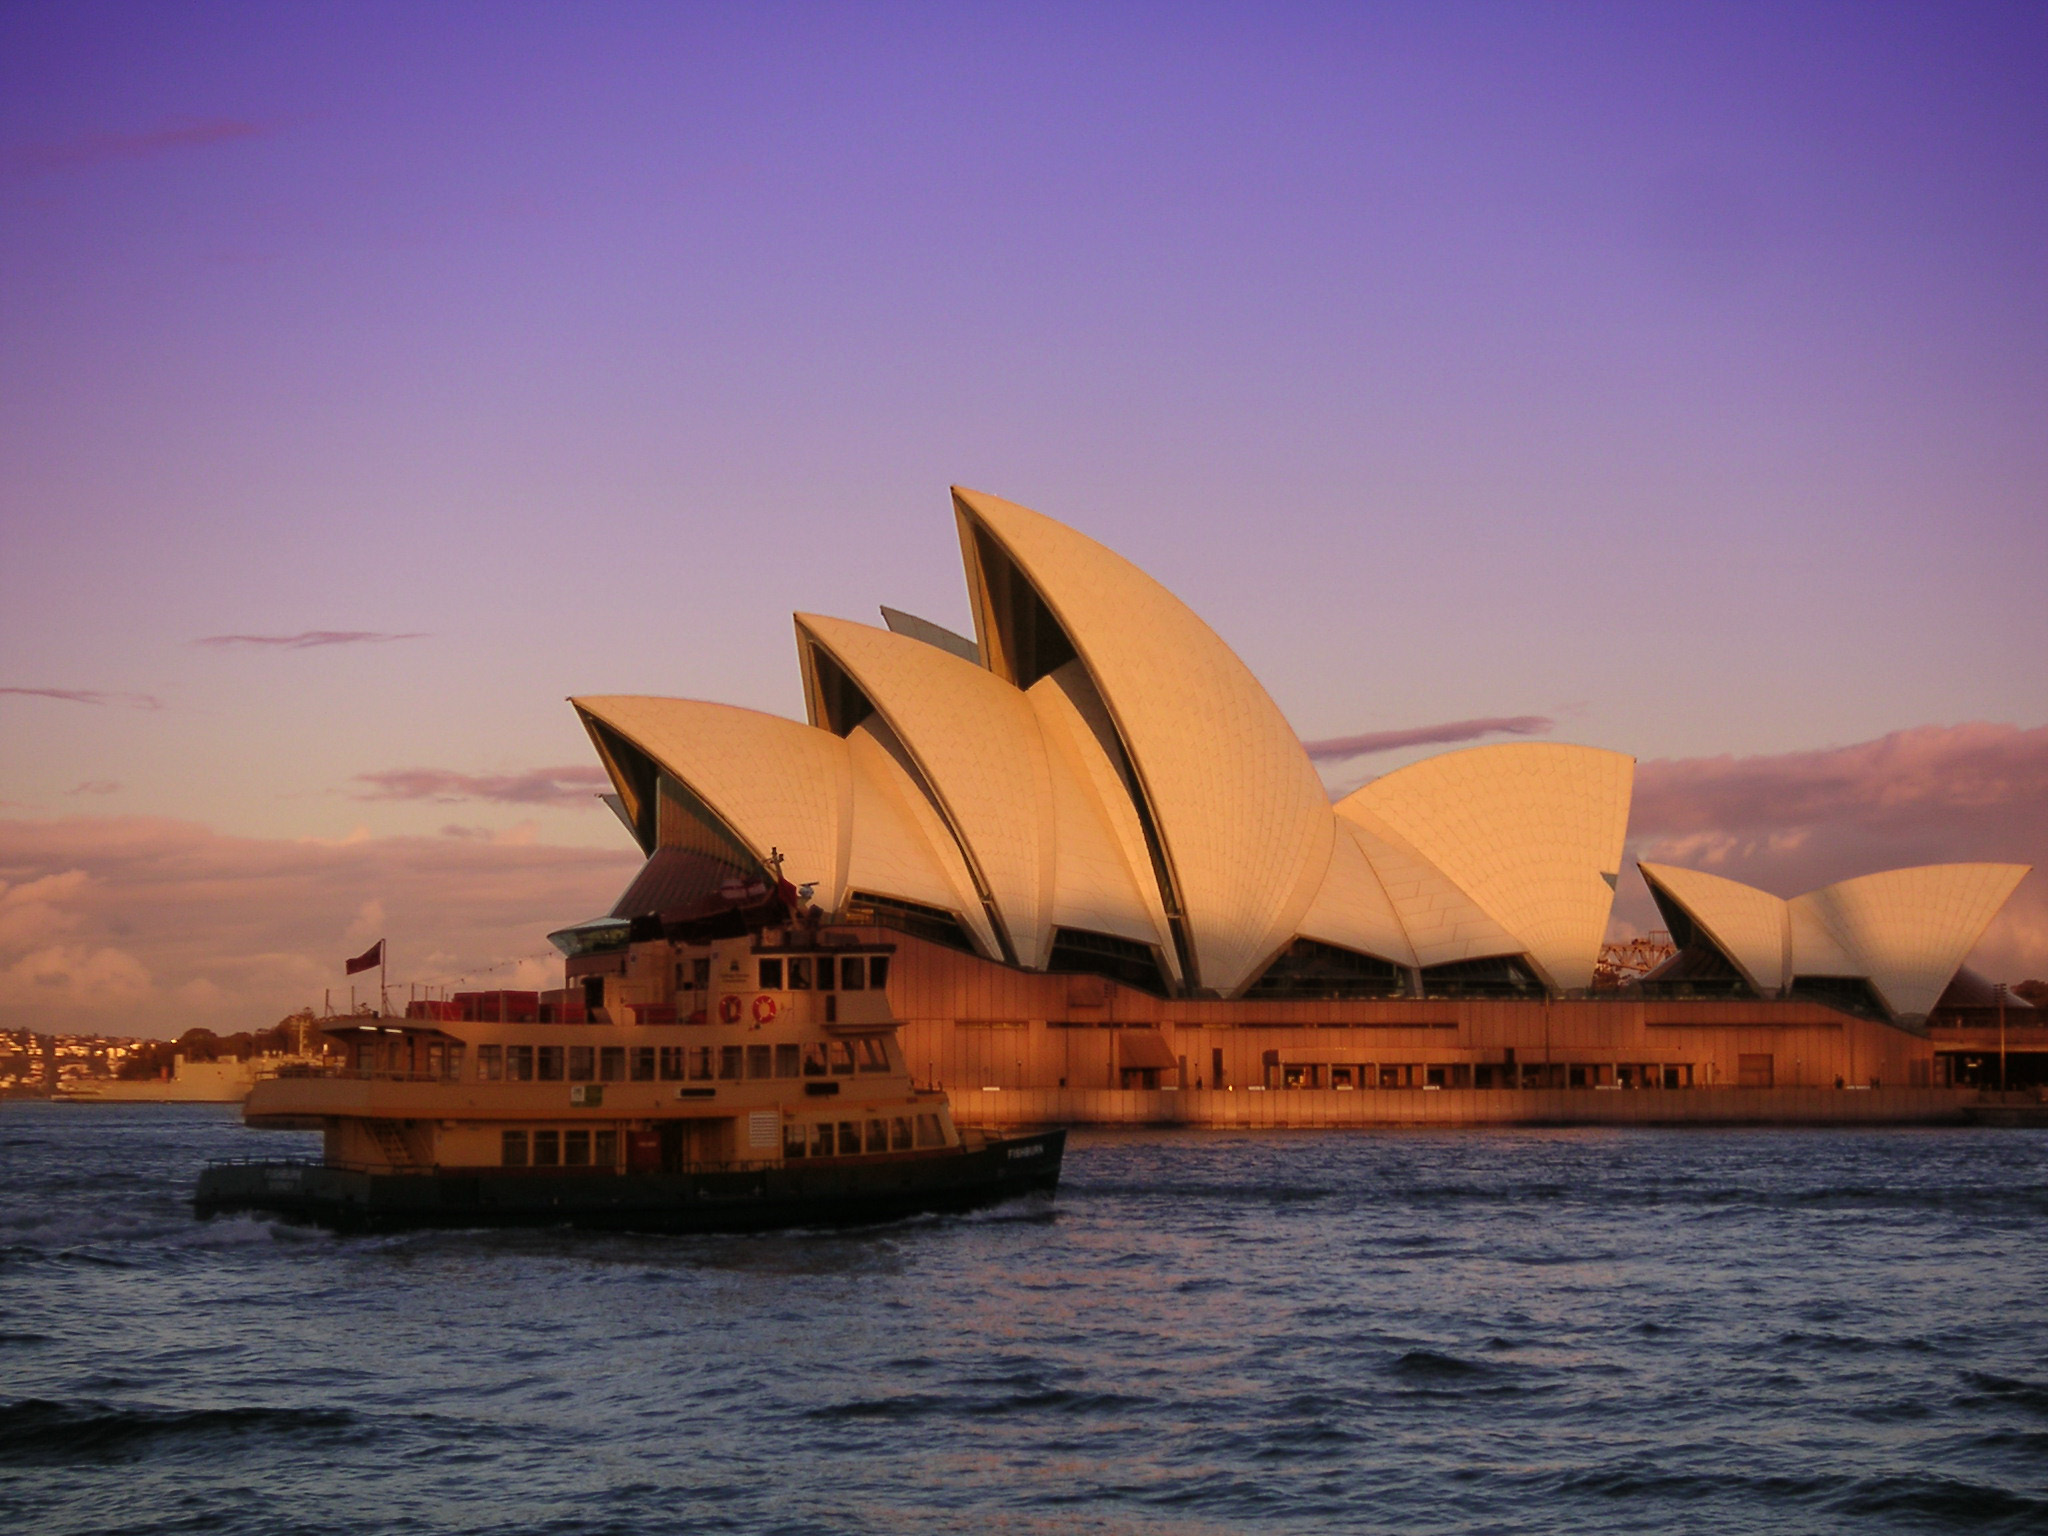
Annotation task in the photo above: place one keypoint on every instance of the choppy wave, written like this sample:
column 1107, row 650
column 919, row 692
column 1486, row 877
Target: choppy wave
column 1530, row 1331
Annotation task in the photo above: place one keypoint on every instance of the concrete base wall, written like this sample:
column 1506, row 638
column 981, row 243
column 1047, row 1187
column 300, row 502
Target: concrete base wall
column 1279, row 1109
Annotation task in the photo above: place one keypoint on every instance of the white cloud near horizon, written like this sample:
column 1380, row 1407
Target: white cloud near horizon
column 138, row 925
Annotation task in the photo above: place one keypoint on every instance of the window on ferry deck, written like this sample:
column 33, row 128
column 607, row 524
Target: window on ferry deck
column 582, row 1063
column 760, row 1061
column 786, row 1057
column 878, row 1135
column 842, row 1058
column 799, row 973
column 794, row 1142
column 671, row 1063
column 771, row 975
column 643, row 1064
column 547, row 1149
column 576, row 1149
column 878, row 972
column 821, row 1139
column 874, row 1054
column 729, row 1062
column 814, row 1061
column 929, row 1133
column 899, row 1134
column 611, row 1064
column 849, row 1137
column 549, row 1063
column 700, row 1064
column 518, row 1063
column 828, row 973
column 490, row 1063
column 853, row 973
column 604, row 1149
column 512, row 1149
column 700, row 974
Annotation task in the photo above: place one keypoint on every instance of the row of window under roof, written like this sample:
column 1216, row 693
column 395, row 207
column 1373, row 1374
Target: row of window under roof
column 583, row 1148
column 679, row 1063
column 822, row 973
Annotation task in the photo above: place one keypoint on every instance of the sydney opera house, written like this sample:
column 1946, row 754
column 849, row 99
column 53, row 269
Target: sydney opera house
column 1107, row 863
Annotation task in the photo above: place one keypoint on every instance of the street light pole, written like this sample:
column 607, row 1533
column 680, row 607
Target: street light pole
column 1999, row 991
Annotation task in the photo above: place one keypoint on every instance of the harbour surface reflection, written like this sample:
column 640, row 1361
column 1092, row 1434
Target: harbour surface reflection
column 1405, row 1332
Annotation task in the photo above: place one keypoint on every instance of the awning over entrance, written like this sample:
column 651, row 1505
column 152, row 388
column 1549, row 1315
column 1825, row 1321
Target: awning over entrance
column 1144, row 1050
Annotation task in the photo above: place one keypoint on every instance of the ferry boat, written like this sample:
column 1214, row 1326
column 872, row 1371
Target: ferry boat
column 768, row 1090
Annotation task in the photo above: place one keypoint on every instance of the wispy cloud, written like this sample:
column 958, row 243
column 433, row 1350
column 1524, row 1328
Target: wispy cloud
column 307, row 639
column 537, row 786
column 92, row 149
column 96, row 787
column 1337, row 749
column 89, row 696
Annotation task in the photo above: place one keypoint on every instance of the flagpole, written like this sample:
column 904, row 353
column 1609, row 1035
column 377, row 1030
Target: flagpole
column 383, row 999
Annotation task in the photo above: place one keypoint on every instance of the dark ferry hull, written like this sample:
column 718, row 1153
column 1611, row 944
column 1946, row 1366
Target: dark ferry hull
column 828, row 1193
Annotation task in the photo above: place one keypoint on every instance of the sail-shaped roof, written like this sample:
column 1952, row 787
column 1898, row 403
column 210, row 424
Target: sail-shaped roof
column 1911, row 929
column 1241, row 823
column 976, row 742
column 1745, row 924
column 1531, row 831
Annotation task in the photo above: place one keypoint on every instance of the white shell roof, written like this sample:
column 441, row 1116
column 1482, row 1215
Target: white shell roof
column 976, row 740
column 1352, row 909
column 1912, row 928
column 1906, row 931
column 1242, row 816
column 1531, row 831
column 1443, row 923
column 777, row 783
column 1746, row 924
column 900, row 847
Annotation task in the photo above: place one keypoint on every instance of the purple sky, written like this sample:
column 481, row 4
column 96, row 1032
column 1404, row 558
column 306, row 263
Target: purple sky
column 375, row 377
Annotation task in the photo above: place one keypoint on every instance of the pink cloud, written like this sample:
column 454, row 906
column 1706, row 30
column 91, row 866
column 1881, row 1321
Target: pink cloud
column 89, row 696
column 98, row 148
column 307, row 639
column 577, row 785
column 1338, row 748
column 96, row 787
column 1796, row 821
column 120, row 923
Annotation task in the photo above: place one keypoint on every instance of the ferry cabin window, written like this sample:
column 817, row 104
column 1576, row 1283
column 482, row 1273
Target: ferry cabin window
column 548, row 1060
column 786, row 1060
column 760, row 1061
column 611, row 1064
column 547, row 1149
column 582, row 1063
column 795, row 1141
column 842, row 1058
column 518, row 1063
column 899, row 1134
column 700, row 1064
column 671, row 1063
column 576, row 1149
column 853, row 973
column 828, row 973
column 878, row 1135
column 604, row 1149
column 512, row 1149
column 821, row 1139
column 771, row 975
column 730, row 1058
column 849, row 1137
column 814, row 1061
column 799, row 973
column 700, row 974
column 929, row 1132
column 490, row 1063
column 682, row 975
column 878, row 972
column 874, row 1054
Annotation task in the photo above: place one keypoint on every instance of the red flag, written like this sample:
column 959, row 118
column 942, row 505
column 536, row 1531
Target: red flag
column 369, row 959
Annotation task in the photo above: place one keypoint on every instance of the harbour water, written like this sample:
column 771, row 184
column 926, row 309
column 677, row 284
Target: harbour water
column 1332, row 1331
